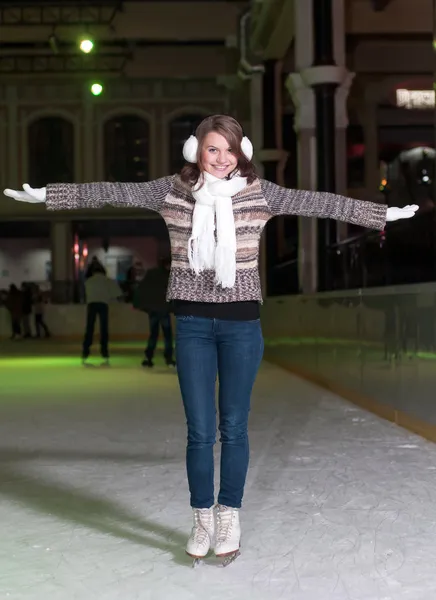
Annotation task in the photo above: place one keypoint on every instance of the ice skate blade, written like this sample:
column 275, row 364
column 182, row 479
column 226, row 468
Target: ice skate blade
column 197, row 561
column 228, row 559
column 231, row 553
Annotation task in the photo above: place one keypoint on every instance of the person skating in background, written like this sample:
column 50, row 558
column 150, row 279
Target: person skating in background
column 26, row 290
column 150, row 296
column 100, row 292
column 38, row 311
column 130, row 283
column 94, row 267
column 14, row 304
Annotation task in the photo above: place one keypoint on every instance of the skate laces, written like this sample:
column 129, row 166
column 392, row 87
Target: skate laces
column 225, row 521
column 200, row 533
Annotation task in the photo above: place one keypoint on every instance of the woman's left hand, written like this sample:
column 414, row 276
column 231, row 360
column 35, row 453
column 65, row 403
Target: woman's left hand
column 394, row 213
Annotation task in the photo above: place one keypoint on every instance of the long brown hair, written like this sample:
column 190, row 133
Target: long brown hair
column 229, row 128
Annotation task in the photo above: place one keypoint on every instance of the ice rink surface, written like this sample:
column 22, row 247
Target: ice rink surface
column 339, row 504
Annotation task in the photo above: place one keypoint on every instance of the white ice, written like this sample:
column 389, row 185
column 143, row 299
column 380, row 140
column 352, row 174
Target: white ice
column 339, row 504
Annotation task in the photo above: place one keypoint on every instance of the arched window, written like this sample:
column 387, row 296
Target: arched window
column 50, row 151
column 126, row 149
column 180, row 129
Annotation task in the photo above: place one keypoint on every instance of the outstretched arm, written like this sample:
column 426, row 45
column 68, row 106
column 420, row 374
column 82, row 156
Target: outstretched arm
column 71, row 196
column 284, row 201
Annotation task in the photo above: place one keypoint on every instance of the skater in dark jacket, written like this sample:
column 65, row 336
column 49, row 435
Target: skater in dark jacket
column 38, row 311
column 26, row 290
column 150, row 296
column 14, row 304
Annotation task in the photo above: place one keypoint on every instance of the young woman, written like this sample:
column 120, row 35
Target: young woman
column 215, row 211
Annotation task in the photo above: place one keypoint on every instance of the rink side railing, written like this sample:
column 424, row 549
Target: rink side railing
column 375, row 347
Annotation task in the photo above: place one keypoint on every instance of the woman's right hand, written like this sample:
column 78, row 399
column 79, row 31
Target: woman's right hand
column 30, row 194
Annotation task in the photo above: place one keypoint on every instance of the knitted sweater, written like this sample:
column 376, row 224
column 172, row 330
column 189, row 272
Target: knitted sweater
column 252, row 208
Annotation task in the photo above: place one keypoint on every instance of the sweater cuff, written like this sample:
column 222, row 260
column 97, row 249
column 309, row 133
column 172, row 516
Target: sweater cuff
column 62, row 196
column 378, row 216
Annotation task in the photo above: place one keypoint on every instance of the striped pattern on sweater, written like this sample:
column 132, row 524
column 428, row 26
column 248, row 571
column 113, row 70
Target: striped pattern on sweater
column 252, row 208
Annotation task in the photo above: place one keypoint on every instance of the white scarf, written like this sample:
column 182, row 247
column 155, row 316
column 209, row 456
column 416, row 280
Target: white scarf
column 214, row 199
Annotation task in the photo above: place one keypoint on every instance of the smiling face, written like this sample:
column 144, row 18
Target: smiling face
column 216, row 156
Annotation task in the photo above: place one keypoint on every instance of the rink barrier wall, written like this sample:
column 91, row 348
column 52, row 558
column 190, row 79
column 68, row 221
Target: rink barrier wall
column 67, row 322
column 402, row 419
column 375, row 348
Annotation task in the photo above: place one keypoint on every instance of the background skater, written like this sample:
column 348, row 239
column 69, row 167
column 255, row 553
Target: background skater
column 150, row 296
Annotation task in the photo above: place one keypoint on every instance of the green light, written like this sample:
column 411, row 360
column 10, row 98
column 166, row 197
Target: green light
column 96, row 89
column 86, row 45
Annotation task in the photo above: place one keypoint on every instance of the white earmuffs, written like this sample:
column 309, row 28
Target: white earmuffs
column 190, row 149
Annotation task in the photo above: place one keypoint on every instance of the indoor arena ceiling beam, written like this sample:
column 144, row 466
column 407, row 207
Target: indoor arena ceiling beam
column 49, row 64
column 91, row 12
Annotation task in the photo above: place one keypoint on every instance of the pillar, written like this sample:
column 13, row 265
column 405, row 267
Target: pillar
column 251, row 70
column 370, row 133
column 62, row 261
column 4, row 175
column 256, row 113
column 257, row 139
column 270, row 160
column 319, row 89
column 342, row 93
column 323, row 79
column 304, row 124
column 273, row 158
column 13, row 138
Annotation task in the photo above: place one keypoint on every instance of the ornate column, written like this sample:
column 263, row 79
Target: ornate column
column 342, row 94
column 4, row 175
column 251, row 70
column 319, row 89
column 13, row 136
column 323, row 78
column 270, row 157
column 257, row 139
column 370, row 132
column 303, row 98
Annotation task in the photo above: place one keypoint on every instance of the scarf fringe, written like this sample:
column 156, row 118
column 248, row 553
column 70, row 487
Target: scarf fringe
column 225, row 266
column 204, row 260
column 194, row 255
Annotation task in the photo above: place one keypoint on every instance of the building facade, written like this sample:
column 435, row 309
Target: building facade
column 160, row 76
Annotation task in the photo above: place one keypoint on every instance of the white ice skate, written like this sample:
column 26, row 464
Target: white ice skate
column 202, row 534
column 228, row 534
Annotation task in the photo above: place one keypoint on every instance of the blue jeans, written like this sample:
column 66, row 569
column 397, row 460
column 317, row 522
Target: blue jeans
column 232, row 350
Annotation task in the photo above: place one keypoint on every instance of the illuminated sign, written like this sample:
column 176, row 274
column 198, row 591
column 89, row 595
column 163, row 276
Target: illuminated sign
column 416, row 98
